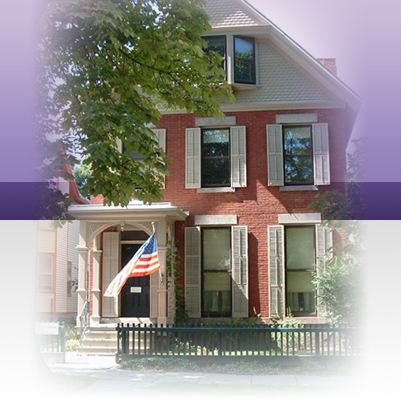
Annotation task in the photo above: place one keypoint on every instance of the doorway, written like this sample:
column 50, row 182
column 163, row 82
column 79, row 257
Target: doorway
column 135, row 295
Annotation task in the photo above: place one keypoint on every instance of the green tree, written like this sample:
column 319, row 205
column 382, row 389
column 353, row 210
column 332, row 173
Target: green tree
column 106, row 69
column 335, row 205
column 340, row 287
column 81, row 174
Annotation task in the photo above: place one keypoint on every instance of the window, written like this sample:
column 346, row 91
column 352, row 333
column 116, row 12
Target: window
column 216, row 271
column 299, row 265
column 298, row 159
column 215, row 158
column 216, row 277
column 294, row 252
column 45, row 272
column 298, row 155
column 241, row 68
column 244, row 60
column 160, row 137
column 217, row 44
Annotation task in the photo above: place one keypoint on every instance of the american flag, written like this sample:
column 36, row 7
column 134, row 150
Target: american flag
column 144, row 262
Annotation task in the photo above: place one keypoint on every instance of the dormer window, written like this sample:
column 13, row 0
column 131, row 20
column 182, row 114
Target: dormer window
column 244, row 60
column 217, row 44
column 239, row 57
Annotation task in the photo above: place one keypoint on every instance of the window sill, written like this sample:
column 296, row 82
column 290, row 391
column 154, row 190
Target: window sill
column 245, row 86
column 216, row 190
column 299, row 188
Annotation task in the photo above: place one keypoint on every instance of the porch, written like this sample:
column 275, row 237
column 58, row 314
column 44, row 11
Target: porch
column 108, row 237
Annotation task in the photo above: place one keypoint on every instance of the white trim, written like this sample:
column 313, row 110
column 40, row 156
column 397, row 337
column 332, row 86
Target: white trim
column 299, row 188
column 135, row 210
column 213, row 121
column 216, row 190
column 297, row 218
column 218, row 219
column 297, row 118
column 270, row 106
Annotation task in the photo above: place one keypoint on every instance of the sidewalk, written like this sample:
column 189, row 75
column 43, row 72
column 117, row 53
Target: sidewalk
column 102, row 376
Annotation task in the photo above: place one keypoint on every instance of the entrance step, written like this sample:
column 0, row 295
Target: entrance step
column 100, row 341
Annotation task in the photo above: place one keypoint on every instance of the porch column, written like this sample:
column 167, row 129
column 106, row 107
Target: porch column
column 161, row 233
column 83, row 250
column 96, row 282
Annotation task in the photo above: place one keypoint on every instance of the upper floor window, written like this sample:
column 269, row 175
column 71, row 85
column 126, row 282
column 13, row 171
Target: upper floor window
column 298, row 156
column 217, row 44
column 244, row 60
column 241, row 69
column 216, row 158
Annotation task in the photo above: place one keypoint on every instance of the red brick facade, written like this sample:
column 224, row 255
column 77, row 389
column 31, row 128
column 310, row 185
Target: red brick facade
column 257, row 205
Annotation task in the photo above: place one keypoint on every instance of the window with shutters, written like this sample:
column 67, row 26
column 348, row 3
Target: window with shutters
column 298, row 155
column 294, row 253
column 215, row 158
column 216, row 271
column 300, row 263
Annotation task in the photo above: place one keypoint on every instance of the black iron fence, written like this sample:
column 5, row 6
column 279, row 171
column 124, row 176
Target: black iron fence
column 222, row 341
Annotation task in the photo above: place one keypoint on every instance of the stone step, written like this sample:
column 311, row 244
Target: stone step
column 94, row 335
column 97, row 350
column 99, row 341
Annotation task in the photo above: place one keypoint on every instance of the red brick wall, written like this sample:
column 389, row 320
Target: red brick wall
column 256, row 205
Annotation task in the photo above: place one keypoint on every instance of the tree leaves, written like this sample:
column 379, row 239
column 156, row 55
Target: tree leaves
column 108, row 66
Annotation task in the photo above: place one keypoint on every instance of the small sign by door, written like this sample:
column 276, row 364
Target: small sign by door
column 136, row 290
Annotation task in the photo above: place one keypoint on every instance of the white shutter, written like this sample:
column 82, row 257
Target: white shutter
column 193, row 271
column 276, row 271
column 239, row 271
column 275, row 155
column 192, row 158
column 111, row 252
column 161, row 139
column 238, row 156
column 321, row 159
column 324, row 244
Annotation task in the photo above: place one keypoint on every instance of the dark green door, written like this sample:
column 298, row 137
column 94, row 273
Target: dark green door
column 135, row 295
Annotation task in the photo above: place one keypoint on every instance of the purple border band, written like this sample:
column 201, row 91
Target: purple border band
column 25, row 201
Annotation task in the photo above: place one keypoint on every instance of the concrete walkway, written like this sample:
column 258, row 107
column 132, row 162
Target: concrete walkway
column 101, row 376
column 98, row 386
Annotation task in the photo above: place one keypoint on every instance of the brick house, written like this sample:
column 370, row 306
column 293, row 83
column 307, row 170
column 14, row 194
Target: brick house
column 236, row 202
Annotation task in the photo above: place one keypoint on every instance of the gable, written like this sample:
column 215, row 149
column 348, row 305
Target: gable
column 231, row 13
column 282, row 80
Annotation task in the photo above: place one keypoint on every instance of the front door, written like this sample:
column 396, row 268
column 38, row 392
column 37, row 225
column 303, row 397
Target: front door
column 135, row 295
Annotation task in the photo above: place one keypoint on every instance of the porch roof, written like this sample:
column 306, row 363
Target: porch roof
column 136, row 210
